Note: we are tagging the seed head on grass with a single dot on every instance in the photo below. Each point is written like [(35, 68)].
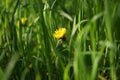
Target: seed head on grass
[(60, 33)]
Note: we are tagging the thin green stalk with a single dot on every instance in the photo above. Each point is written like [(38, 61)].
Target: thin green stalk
[(108, 22)]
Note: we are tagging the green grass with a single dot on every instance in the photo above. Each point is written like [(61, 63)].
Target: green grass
[(89, 51)]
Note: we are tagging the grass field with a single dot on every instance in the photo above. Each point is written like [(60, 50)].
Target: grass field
[(59, 39)]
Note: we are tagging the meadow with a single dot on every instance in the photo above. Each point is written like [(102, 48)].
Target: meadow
[(59, 39)]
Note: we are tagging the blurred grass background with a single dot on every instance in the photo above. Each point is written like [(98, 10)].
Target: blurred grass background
[(28, 50)]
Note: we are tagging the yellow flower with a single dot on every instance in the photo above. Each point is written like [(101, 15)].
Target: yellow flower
[(60, 33), (18, 24), (23, 20)]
